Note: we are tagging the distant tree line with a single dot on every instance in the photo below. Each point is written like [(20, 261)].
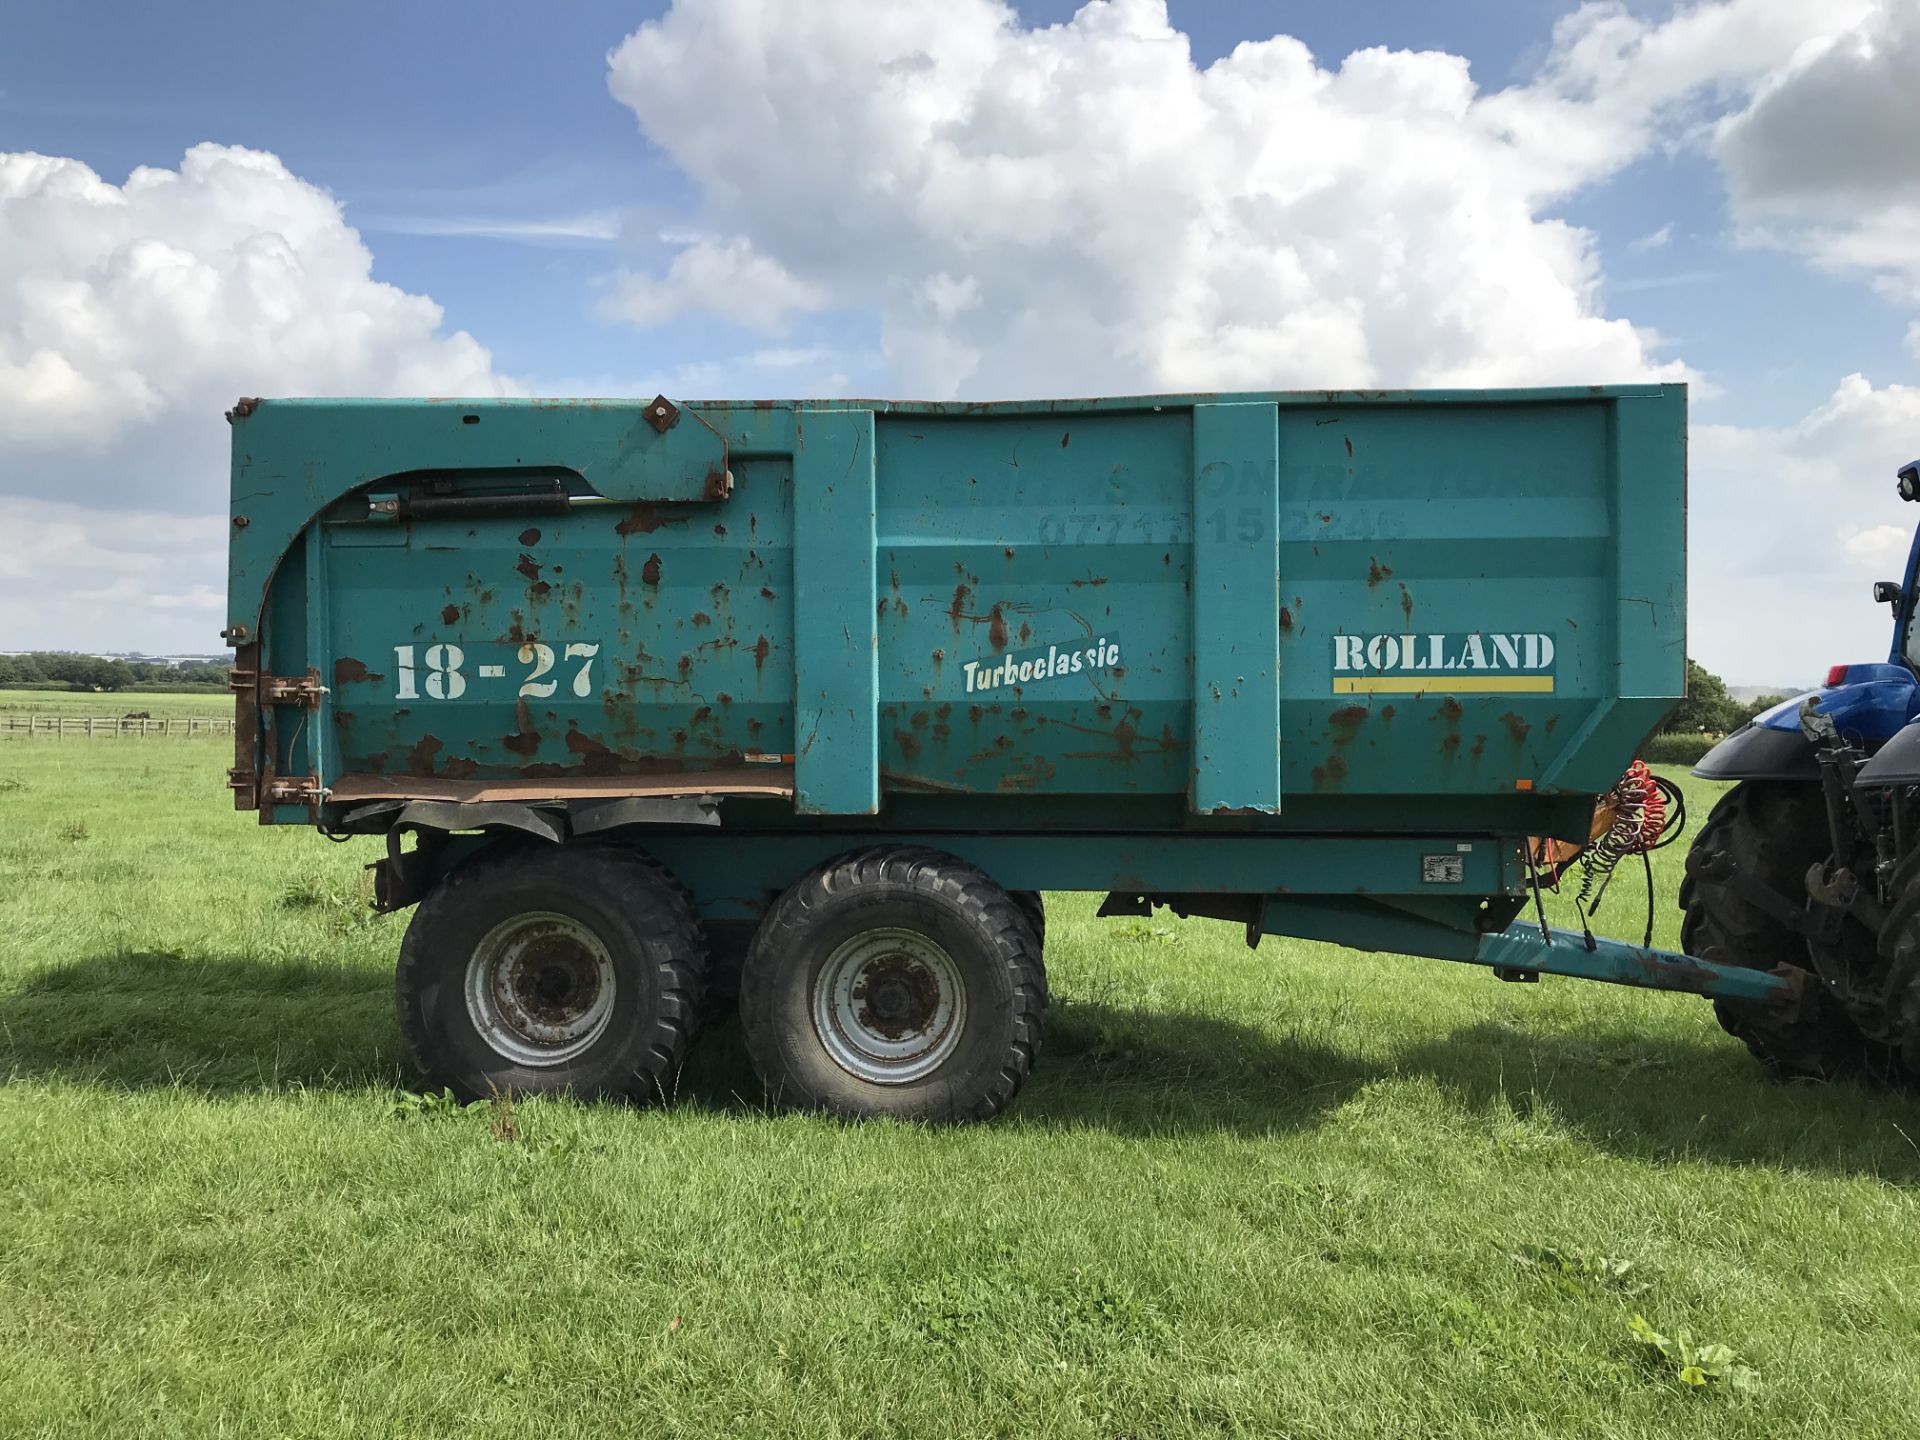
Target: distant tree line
[(1709, 708), (54, 669)]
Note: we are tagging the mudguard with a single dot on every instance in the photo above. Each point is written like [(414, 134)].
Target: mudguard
[(1898, 762), (1758, 752), (1868, 709)]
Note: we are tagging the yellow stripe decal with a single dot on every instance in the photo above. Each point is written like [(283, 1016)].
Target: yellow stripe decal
[(1448, 684)]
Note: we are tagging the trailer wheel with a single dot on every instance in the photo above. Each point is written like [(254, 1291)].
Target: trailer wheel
[(895, 981), (1774, 831), (571, 969)]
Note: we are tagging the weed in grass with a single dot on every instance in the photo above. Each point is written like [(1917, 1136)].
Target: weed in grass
[(74, 831), (502, 1126), (1698, 1365), (1149, 934), (428, 1105), (1571, 1271)]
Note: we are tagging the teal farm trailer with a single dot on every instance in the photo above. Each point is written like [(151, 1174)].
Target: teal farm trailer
[(812, 700)]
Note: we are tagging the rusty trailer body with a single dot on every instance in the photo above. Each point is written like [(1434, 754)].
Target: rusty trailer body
[(1313, 662)]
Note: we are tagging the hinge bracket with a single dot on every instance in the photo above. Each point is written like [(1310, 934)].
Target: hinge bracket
[(302, 690)]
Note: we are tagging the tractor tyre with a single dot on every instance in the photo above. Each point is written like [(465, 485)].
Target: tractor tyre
[(1774, 830)]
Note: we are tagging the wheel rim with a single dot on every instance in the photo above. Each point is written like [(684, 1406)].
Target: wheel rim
[(540, 988), (888, 1006)]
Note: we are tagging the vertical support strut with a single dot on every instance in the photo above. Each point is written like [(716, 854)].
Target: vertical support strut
[(836, 637), (1236, 609)]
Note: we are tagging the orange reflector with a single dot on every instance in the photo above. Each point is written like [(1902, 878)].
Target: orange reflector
[(1523, 784)]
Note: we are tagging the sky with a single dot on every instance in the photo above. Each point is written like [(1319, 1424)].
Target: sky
[(958, 198)]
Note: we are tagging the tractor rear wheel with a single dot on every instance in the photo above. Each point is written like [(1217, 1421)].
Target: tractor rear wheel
[(1774, 831)]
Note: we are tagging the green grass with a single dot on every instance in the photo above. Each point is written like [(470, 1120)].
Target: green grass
[(211, 703), (1266, 1193)]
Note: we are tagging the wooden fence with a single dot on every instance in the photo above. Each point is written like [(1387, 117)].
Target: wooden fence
[(66, 727)]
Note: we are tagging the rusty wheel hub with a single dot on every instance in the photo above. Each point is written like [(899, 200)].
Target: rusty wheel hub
[(888, 1006), (540, 988)]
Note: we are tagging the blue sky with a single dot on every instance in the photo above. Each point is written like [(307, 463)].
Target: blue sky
[(478, 153)]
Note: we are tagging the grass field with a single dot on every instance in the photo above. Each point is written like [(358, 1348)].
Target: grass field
[(1297, 1191), (177, 704)]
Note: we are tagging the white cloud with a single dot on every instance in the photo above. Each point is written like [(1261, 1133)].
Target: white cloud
[(176, 292), (587, 227), (1877, 547), (131, 317), (1825, 160), (130, 579), (1115, 218), (1080, 208), (1653, 239), (725, 278), (1788, 528)]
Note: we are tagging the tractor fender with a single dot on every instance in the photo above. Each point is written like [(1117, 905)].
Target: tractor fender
[(1760, 752), (1897, 763)]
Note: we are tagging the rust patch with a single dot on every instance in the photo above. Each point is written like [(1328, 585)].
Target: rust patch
[(347, 670), (721, 531), (458, 768), (1345, 721), (766, 592), (1450, 710), (645, 518), (450, 615), (1065, 435), (420, 757), (528, 566), (1406, 601), (1331, 773), (650, 572), (1386, 712), (700, 617), (997, 629), (760, 651), (1286, 618), (957, 611), (908, 742), (596, 759), (525, 740), (530, 536), (1516, 727), (1376, 572), (1479, 747), (1450, 746), (1026, 632)]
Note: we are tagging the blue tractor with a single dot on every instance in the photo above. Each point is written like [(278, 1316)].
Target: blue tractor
[(1810, 865)]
